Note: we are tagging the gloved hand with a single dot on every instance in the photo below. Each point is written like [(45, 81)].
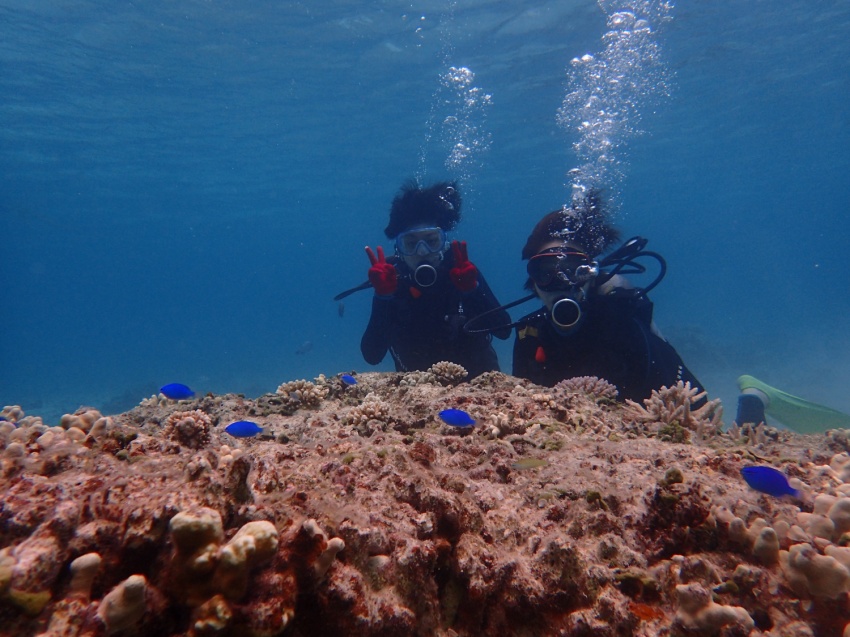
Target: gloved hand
[(382, 275), (464, 274)]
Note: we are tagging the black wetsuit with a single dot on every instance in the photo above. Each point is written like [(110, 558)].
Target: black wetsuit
[(614, 341), (423, 326)]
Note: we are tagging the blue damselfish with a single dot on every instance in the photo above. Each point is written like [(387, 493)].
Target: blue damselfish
[(243, 429), (176, 391), (456, 418), (348, 379), (768, 480)]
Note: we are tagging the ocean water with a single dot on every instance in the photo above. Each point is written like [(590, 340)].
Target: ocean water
[(184, 186)]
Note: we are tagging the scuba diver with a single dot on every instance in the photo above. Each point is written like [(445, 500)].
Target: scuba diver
[(594, 322), (427, 290)]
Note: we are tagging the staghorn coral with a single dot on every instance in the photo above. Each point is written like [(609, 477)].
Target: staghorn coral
[(597, 388), (189, 428), (448, 373), (670, 411)]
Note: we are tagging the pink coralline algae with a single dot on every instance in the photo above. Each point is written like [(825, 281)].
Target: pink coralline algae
[(359, 512)]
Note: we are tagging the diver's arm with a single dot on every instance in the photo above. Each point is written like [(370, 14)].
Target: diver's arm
[(376, 338)]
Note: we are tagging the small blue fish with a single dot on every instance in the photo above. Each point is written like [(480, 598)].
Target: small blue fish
[(456, 418), (243, 429), (348, 379), (768, 480), (176, 391)]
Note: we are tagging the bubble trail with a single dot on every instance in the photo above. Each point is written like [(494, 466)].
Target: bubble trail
[(458, 115), (608, 93), (463, 131)]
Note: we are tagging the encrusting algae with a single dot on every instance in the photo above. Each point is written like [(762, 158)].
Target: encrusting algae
[(359, 511)]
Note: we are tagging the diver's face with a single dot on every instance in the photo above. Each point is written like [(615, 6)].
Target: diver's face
[(421, 245), (562, 274), (559, 269)]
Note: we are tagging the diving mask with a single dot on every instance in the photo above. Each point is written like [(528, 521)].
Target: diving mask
[(559, 268), (421, 241)]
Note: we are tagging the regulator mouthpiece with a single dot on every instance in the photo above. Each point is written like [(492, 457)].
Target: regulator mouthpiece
[(425, 275), (565, 313)]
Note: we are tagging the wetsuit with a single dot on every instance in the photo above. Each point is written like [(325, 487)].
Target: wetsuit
[(422, 326), (614, 341)]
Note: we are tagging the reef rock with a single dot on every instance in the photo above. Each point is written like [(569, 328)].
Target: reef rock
[(358, 512)]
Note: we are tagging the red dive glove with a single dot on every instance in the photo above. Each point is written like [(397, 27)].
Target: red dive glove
[(382, 275), (464, 275)]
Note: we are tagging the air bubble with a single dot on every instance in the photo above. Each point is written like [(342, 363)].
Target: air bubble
[(622, 20), (611, 89)]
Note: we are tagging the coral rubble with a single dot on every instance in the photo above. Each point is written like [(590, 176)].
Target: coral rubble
[(357, 511)]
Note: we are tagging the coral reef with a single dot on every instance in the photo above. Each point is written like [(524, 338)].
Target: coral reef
[(358, 511)]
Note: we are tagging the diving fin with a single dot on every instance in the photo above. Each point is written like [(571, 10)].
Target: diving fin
[(795, 413)]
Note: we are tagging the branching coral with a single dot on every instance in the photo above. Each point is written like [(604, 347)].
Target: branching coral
[(448, 373), (298, 394), (189, 428), (670, 410), (749, 434), (412, 379), (597, 388), (372, 413)]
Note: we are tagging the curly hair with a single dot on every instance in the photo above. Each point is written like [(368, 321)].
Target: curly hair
[(438, 204), (584, 223)]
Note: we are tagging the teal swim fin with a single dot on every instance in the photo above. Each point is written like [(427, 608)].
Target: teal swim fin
[(795, 413)]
